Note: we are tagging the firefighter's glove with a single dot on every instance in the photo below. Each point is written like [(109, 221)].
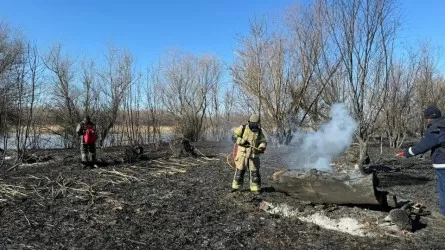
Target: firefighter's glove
[(400, 154), (262, 149), (242, 142)]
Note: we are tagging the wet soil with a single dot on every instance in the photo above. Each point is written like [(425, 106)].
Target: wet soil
[(163, 202)]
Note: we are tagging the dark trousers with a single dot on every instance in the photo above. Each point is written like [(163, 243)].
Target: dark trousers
[(86, 150), (441, 188)]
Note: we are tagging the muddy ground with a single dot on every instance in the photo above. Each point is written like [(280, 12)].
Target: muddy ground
[(161, 202)]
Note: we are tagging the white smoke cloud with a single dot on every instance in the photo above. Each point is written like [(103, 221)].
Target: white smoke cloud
[(318, 149)]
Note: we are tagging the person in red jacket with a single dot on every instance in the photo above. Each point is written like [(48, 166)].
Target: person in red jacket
[(88, 135)]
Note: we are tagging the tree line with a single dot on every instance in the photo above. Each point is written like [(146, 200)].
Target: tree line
[(289, 71)]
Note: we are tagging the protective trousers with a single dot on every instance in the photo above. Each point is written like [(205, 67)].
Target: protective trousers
[(441, 189), (86, 150), (244, 162)]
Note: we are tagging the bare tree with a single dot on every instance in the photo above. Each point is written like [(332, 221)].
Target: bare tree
[(64, 104), (229, 105), (35, 73), (364, 33), (153, 97), (132, 113), (115, 82), (247, 70), (426, 88), (439, 90), (397, 113), (286, 72), (91, 91), (188, 82), (217, 126), (262, 74), (11, 58), (315, 63), (26, 86)]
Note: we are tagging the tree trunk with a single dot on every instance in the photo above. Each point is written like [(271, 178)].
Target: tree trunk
[(182, 147), (381, 144), (363, 154), (325, 188), (401, 141)]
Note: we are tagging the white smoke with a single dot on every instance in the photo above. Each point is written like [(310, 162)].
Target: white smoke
[(318, 149)]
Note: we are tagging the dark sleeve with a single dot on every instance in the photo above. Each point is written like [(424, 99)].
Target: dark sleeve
[(429, 141)]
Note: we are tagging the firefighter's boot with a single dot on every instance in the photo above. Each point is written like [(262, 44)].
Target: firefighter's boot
[(255, 181), (238, 179)]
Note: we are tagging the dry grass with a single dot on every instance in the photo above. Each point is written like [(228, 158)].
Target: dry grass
[(119, 176), (57, 128), (10, 191)]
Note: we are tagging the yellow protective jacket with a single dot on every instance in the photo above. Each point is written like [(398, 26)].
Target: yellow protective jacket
[(255, 140)]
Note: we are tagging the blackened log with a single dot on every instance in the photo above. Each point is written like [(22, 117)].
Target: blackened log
[(328, 188)]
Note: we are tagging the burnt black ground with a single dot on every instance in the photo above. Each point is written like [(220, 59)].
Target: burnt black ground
[(185, 203)]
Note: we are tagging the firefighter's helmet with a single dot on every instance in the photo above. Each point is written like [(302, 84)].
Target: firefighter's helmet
[(254, 118)]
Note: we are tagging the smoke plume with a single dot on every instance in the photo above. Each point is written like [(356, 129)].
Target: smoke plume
[(318, 149)]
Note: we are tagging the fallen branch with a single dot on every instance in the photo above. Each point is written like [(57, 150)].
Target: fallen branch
[(171, 171), (29, 223), (118, 174), (201, 161), (205, 156), (89, 190), (171, 163), (14, 166), (37, 192), (124, 175), (159, 162), (33, 177), (165, 163)]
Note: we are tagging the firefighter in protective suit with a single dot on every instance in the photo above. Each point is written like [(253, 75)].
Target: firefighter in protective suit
[(250, 144), (87, 147)]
